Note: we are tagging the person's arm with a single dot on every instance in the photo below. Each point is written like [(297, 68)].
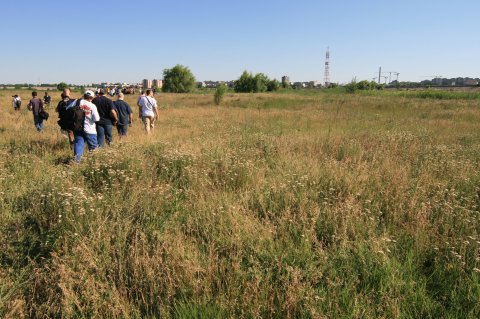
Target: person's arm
[(156, 112), (139, 107), (95, 115), (113, 113), (130, 114)]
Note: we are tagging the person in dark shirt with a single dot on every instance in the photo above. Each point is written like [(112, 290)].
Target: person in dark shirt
[(125, 117), (65, 120), (108, 118), (36, 106), (46, 99)]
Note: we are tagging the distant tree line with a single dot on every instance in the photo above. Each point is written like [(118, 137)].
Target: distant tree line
[(363, 86)]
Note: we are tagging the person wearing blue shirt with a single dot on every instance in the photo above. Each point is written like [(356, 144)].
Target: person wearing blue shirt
[(125, 115)]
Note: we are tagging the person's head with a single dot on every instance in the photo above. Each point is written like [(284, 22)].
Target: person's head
[(66, 93), (88, 95), (142, 92), (120, 96), (149, 92), (34, 94), (15, 96), (101, 92), (46, 93)]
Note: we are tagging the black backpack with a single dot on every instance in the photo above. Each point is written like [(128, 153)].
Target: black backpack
[(71, 116), (78, 117)]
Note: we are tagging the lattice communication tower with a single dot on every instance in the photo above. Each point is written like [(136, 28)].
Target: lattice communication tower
[(326, 78)]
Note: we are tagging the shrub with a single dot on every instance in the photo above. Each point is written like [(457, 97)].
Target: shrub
[(351, 87), (273, 85), (219, 93)]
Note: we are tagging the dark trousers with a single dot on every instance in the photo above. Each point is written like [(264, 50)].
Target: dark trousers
[(104, 132)]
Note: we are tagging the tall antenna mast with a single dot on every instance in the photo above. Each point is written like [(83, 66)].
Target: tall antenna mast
[(326, 78)]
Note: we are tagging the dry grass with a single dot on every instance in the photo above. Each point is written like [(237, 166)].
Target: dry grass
[(271, 206)]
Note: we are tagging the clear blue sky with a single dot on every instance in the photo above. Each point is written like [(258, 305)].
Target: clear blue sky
[(96, 41)]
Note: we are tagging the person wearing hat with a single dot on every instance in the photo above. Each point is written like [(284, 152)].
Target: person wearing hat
[(89, 132), (16, 102), (125, 115)]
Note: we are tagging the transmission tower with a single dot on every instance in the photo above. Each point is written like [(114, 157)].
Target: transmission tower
[(326, 78)]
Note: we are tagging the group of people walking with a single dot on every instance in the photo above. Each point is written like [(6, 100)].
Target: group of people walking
[(91, 118), (35, 105)]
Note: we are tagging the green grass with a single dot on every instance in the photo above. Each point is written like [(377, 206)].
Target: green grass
[(425, 94), (289, 205)]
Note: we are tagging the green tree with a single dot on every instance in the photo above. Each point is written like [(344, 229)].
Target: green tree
[(273, 85), (219, 94), (245, 84), (178, 79), (261, 82), (61, 86)]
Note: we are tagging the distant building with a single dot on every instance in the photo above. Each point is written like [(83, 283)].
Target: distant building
[(299, 85), (285, 80), (314, 84), (157, 84), (470, 82), (147, 84)]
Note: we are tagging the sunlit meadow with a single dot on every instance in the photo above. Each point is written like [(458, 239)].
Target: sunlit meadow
[(285, 205)]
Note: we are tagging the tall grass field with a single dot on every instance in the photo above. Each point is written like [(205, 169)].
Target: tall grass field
[(282, 205)]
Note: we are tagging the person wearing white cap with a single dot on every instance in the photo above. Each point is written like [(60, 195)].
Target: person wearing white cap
[(89, 132)]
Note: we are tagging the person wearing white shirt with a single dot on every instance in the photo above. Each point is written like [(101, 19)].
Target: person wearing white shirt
[(89, 132), (16, 101), (148, 109)]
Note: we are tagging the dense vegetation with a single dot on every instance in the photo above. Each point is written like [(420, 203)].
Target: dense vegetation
[(178, 79), (249, 83), (291, 205)]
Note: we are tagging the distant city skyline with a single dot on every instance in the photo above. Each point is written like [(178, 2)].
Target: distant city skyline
[(115, 41)]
